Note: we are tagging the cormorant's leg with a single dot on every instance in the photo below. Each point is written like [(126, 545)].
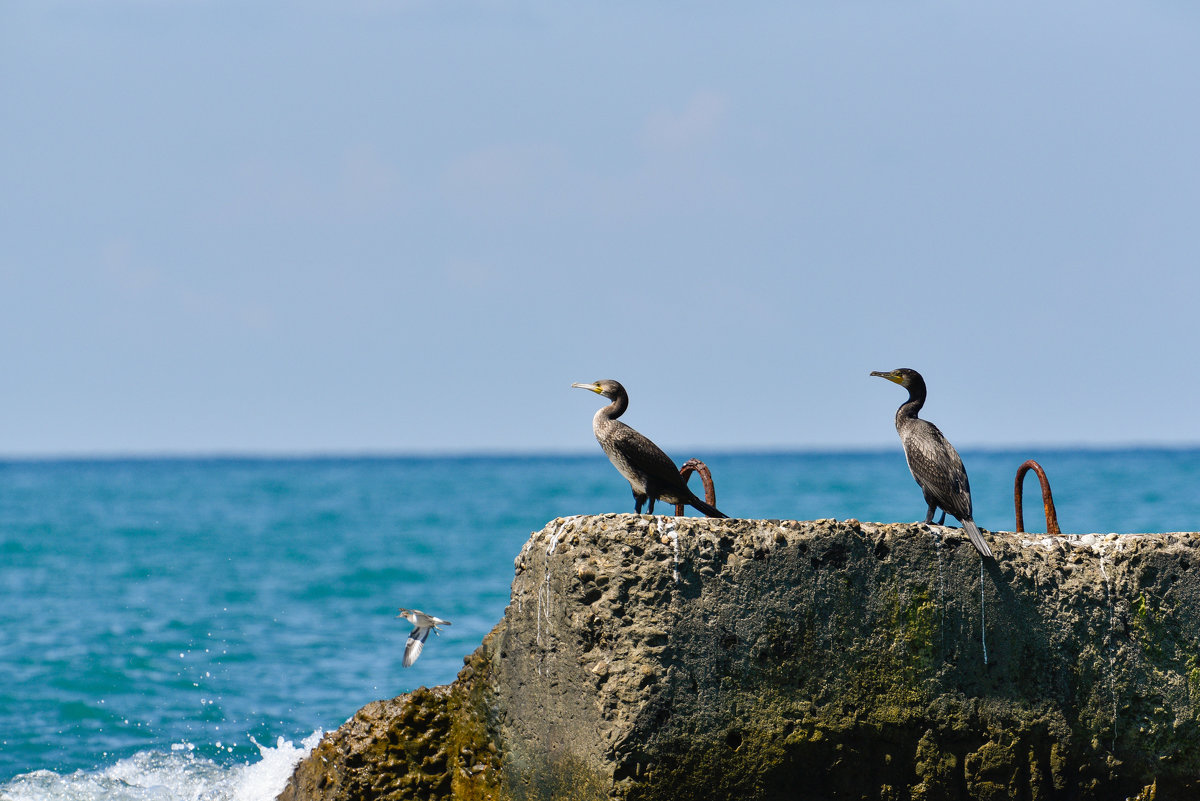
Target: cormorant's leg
[(638, 500), (942, 520), (929, 514), (651, 493)]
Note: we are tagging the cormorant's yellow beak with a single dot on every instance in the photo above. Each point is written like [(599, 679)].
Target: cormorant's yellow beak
[(892, 376), (593, 387)]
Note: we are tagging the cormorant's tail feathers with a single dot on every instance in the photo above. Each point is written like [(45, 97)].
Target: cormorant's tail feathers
[(976, 538), (707, 509)]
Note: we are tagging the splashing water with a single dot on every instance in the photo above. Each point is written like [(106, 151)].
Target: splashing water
[(175, 776)]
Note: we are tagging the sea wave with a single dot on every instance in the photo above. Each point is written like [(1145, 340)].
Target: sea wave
[(177, 775)]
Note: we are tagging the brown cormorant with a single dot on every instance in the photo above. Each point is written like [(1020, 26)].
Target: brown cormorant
[(932, 460), (416, 639), (651, 473)]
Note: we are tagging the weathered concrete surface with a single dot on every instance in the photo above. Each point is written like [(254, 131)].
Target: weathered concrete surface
[(684, 658)]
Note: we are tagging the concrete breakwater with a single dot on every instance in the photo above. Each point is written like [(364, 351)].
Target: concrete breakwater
[(652, 657)]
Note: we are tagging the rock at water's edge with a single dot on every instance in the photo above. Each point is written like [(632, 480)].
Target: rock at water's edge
[(646, 657)]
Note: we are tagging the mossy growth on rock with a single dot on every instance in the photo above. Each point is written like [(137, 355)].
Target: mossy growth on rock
[(649, 657)]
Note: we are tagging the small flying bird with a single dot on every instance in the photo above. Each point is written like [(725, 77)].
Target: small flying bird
[(932, 460), (650, 472), (416, 639)]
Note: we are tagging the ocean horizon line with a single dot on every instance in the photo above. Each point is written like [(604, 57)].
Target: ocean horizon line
[(503, 454)]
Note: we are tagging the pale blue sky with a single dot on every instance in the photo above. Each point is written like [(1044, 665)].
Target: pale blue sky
[(372, 226)]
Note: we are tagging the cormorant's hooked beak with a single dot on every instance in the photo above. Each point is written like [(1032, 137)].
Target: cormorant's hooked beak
[(892, 376), (593, 387)]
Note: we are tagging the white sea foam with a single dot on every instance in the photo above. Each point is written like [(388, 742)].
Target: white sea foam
[(175, 776)]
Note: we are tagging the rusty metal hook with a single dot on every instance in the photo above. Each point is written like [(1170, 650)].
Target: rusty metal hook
[(697, 466), (1047, 498)]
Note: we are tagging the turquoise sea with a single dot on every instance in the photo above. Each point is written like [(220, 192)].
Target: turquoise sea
[(183, 628)]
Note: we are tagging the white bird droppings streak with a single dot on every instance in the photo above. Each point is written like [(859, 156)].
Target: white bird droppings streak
[(673, 535), (543, 596), (982, 612)]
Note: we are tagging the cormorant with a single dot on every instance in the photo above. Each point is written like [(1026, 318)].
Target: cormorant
[(416, 639), (651, 473), (932, 460)]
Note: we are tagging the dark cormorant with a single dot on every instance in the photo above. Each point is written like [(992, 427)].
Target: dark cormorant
[(932, 460), (423, 624), (651, 473)]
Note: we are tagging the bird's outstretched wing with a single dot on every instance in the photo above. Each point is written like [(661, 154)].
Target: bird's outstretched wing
[(416, 641)]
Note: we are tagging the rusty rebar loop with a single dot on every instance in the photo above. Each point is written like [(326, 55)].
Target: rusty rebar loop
[(1047, 497), (697, 466)]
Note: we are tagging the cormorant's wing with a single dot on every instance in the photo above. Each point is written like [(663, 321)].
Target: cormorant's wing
[(937, 467), (647, 458)]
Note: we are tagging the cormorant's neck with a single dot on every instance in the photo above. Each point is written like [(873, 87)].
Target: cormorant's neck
[(617, 408), (916, 399)]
